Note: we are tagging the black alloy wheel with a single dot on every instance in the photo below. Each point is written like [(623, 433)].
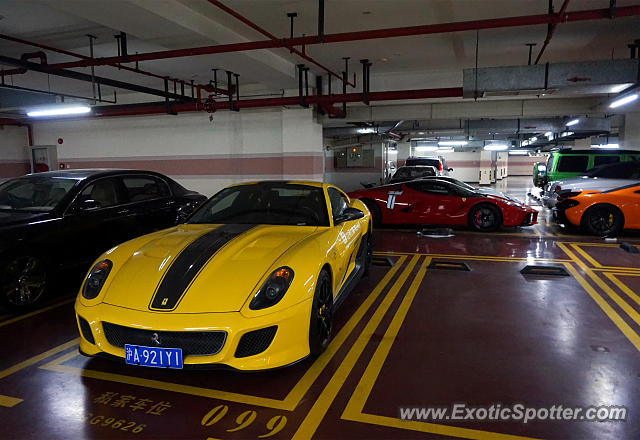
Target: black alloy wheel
[(321, 325), (603, 220), (485, 218), (23, 282)]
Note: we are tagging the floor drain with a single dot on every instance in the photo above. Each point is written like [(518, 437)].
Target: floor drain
[(629, 248), (600, 348), (435, 232), (544, 270), (449, 265)]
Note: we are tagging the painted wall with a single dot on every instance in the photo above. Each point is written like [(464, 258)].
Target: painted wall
[(14, 159), (523, 165), (203, 156)]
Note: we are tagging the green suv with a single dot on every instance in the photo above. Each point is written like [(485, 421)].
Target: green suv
[(565, 164)]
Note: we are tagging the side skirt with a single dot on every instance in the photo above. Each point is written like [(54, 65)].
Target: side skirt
[(355, 275)]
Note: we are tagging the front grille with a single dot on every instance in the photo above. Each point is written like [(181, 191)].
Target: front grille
[(86, 329), (191, 343), (255, 342)]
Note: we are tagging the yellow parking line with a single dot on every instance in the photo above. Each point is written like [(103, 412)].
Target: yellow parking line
[(38, 358), (606, 308), (317, 412), (630, 293), (37, 312), (585, 255), (8, 401)]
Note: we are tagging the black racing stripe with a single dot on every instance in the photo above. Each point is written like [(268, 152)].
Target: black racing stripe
[(185, 268)]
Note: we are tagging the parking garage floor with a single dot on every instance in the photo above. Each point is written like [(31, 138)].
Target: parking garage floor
[(439, 321)]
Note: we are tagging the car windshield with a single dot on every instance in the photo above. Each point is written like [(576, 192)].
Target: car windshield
[(34, 193), (273, 203)]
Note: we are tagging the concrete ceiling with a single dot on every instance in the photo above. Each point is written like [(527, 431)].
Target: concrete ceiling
[(434, 61)]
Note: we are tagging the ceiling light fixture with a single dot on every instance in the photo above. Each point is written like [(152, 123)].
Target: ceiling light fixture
[(452, 143), (518, 153), (607, 146), (59, 111), (624, 100), (496, 147), (445, 150), (572, 122), (366, 130)]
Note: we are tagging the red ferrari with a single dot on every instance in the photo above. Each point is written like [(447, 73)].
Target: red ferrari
[(444, 201)]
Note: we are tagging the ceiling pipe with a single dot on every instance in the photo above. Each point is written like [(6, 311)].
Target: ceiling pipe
[(552, 26), (268, 34), (88, 78), (529, 20), (292, 101), (77, 55)]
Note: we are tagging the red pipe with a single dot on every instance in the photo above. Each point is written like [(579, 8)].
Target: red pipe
[(77, 55), (268, 34), (9, 121), (552, 29), (158, 108), (529, 20)]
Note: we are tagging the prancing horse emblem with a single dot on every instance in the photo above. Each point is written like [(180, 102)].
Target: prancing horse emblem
[(155, 338)]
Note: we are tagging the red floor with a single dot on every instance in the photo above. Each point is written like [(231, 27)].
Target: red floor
[(409, 336)]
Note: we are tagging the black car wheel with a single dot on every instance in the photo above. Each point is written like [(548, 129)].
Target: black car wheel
[(321, 325), (373, 208), (485, 217), (603, 220), (23, 281)]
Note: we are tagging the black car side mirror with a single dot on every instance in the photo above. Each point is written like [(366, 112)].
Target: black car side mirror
[(348, 215), (89, 205)]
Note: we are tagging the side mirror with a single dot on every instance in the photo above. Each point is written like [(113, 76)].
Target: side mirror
[(88, 205), (348, 215), (450, 169)]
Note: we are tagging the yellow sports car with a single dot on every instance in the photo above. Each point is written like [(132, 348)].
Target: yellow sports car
[(250, 281)]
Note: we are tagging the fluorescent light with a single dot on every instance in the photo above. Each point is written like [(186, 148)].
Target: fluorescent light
[(496, 147), (566, 133), (59, 111), (572, 122), (549, 135), (421, 132), (445, 150), (624, 100), (607, 146), (518, 153), (426, 148), (366, 130), (619, 88), (534, 139), (452, 143)]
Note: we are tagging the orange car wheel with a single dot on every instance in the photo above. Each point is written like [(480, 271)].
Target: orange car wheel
[(603, 220)]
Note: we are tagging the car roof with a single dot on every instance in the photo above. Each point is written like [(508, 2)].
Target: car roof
[(291, 182), (596, 152), (89, 172)]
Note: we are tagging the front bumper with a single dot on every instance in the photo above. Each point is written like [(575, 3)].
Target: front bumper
[(290, 343), (530, 218)]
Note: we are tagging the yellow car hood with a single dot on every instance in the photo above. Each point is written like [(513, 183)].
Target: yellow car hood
[(163, 274)]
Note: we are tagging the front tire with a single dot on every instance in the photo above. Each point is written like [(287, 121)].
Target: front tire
[(321, 325), (23, 282), (603, 220), (485, 217)]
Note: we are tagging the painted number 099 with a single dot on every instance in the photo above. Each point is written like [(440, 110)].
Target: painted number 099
[(274, 425)]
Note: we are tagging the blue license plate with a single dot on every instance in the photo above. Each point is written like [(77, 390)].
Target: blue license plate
[(153, 356)]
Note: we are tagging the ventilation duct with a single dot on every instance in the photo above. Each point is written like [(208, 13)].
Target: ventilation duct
[(589, 77)]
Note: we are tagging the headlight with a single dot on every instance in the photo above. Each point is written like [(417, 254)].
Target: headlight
[(96, 279), (273, 289)]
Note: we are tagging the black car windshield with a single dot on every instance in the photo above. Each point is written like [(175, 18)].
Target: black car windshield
[(273, 203), (413, 172), (34, 193)]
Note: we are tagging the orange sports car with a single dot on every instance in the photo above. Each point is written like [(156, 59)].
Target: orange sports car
[(601, 213)]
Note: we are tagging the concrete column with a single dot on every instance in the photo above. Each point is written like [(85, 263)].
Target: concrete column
[(630, 134), (403, 152), (486, 168)]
